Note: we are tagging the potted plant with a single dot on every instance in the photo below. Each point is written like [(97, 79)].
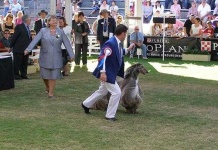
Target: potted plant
[(196, 55)]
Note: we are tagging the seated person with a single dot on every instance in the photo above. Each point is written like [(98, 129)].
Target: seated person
[(216, 30), (157, 29), (209, 31), (180, 32), (119, 20), (6, 40), (138, 38), (170, 30), (95, 7), (196, 28)]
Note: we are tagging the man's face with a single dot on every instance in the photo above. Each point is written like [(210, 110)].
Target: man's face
[(136, 29), (28, 21), (123, 36), (15, 1), (43, 15), (6, 34)]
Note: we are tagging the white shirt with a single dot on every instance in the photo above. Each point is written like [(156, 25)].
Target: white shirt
[(15, 7), (67, 31), (204, 10), (195, 30), (161, 9), (104, 7)]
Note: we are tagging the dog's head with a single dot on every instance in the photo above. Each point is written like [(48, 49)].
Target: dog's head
[(141, 69), (135, 69)]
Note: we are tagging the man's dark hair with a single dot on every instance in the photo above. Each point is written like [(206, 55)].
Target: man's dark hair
[(120, 29), (81, 14)]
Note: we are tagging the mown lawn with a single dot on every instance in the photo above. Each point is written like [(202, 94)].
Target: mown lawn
[(178, 113)]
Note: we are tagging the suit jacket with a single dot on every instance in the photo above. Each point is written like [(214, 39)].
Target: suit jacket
[(50, 56), (111, 27), (38, 25), (20, 39), (114, 66), (79, 39)]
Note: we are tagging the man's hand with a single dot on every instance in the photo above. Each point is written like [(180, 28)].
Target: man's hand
[(131, 47), (103, 77), (98, 41), (26, 52), (84, 34)]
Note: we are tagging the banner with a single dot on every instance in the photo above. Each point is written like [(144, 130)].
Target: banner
[(175, 46)]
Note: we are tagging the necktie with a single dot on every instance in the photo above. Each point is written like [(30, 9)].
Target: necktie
[(43, 23), (105, 25), (121, 51), (28, 30), (136, 38)]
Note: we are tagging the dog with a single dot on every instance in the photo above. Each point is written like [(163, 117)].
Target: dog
[(131, 96), (131, 93)]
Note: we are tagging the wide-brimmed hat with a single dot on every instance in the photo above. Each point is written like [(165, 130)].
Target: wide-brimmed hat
[(42, 11), (104, 11)]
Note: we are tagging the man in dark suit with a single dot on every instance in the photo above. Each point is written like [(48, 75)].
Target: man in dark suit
[(19, 42), (106, 27), (41, 23), (110, 65)]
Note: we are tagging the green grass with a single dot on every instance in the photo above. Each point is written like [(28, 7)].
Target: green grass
[(178, 113)]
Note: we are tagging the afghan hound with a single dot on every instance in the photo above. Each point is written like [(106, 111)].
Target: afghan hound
[(131, 93)]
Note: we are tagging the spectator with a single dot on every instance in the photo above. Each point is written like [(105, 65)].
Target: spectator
[(175, 9), (188, 25), (167, 2), (114, 9), (75, 19), (78, 2), (95, 25), (6, 40), (15, 7), (50, 57), (63, 3), (215, 10), (158, 7), (193, 10), (119, 20), (6, 7), (19, 42), (147, 12), (196, 28), (170, 30), (106, 27), (185, 4), (67, 30), (41, 23), (203, 11), (137, 38), (157, 29), (209, 31), (9, 23), (180, 32), (104, 5), (216, 30), (75, 8), (81, 32), (95, 7), (18, 19)]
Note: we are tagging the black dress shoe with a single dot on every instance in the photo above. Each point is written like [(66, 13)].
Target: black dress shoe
[(111, 119), (24, 77), (86, 109)]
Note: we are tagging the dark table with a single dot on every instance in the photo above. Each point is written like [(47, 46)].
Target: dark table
[(6, 73)]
